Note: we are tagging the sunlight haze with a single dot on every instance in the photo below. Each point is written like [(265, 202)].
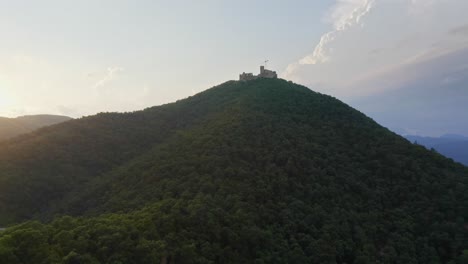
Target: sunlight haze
[(79, 58)]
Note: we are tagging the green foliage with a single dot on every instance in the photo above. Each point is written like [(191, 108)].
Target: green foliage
[(263, 171)]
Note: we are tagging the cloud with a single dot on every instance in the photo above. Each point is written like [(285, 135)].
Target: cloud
[(459, 31), (427, 95), (372, 37), (346, 14), (111, 74), (418, 7)]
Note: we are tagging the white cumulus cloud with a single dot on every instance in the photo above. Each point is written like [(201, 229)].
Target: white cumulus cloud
[(346, 14), (370, 37), (110, 75)]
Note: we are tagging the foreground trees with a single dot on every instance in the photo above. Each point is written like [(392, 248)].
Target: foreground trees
[(248, 172)]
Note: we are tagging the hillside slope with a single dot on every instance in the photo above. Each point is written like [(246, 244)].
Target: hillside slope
[(11, 127), (263, 171), (46, 165)]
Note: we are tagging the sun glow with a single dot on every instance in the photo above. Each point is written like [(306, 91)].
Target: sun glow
[(4, 108), (6, 101)]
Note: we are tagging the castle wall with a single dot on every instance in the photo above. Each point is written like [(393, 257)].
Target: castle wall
[(264, 73), (247, 76), (268, 74)]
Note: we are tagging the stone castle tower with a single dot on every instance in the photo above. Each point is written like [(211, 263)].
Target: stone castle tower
[(264, 73)]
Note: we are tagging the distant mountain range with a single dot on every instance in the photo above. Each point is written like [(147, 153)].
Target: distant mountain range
[(11, 127), (452, 146)]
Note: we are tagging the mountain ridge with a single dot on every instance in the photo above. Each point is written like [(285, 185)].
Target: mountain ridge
[(263, 171), (11, 127)]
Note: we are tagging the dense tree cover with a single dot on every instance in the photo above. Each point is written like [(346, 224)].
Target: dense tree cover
[(263, 171), (11, 127), (39, 169)]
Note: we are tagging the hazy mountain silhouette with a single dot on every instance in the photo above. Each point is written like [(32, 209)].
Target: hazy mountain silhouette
[(11, 127), (451, 146)]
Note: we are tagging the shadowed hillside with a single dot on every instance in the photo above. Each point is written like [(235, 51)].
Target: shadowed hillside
[(263, 171)]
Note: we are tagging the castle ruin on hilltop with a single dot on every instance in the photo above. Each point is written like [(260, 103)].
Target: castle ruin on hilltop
[(264, 73)]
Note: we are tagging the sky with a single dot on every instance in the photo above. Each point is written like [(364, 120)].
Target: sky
[(402, 62)]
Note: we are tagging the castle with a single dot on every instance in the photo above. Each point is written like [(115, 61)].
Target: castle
[(264, 73)]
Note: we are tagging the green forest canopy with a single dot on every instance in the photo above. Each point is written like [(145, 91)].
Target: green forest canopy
[(264, 171)]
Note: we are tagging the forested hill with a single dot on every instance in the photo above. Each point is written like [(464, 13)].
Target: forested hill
[(11, 127), (263, 171)]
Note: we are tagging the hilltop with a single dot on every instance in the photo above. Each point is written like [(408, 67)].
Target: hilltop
[(11, 127), (259, 171)]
